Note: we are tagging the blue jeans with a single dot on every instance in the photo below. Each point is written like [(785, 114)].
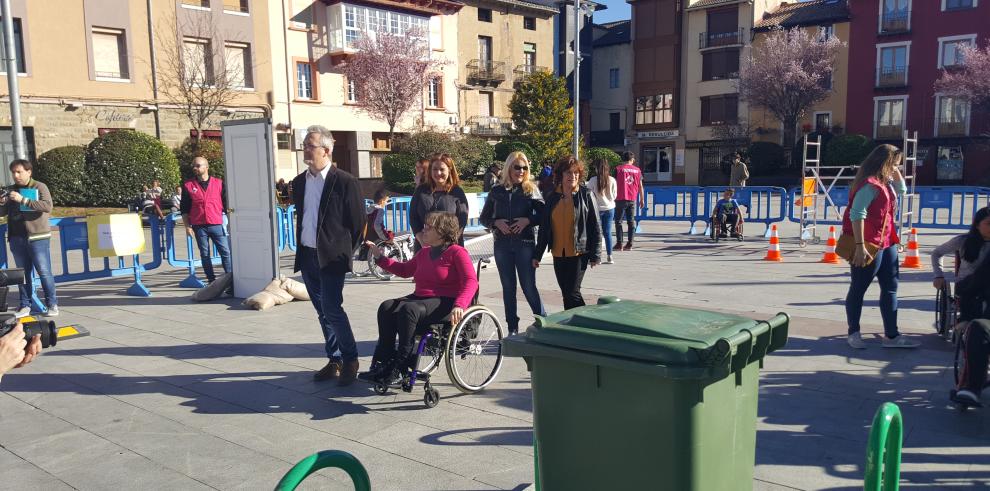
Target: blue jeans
[(887, 271), (326, 291), (513, 256), (34, 256), (216, 233), (607, 217)]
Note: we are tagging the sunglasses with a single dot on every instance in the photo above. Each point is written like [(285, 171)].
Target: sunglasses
[(520, 167)]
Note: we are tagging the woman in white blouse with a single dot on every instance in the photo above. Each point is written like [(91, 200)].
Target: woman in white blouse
[(603, 189)]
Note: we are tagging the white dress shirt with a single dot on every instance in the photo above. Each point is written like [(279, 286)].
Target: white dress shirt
[(311, 206)]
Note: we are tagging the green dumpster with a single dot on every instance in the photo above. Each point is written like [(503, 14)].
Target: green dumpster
[(634, 395)]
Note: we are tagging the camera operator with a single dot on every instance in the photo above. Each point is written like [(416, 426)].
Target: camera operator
[(15, 351), (29, 206)]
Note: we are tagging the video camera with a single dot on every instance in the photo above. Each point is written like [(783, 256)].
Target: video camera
[(47, 329)]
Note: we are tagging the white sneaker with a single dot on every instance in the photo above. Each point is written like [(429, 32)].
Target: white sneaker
[(52, 311), (608, 260), (900, 342), (855, 341), (22, 312)]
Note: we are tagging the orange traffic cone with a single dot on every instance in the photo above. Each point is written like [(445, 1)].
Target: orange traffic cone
[(830, 256), (773, 251), (911, 257)]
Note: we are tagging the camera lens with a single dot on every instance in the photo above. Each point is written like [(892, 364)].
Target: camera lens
[(47, 330)]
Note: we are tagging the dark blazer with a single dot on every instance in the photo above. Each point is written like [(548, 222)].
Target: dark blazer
[(340, 224), (587, 226)]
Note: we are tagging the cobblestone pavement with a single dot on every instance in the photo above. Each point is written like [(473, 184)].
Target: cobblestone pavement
[(167, 394)]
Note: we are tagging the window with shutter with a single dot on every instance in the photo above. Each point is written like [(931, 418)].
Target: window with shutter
[(109, 54)]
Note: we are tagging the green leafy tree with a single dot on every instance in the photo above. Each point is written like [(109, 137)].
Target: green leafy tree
[(118, 164), (474, 155), (209, 149), (594, 153), (504, 148), (847, 150), (542, 116), (63, 169)]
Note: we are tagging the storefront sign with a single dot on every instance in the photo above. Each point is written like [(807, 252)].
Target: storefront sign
[(113, 116), (658, 134)]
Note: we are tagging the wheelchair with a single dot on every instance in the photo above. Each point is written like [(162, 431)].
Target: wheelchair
[(959, 362), (947, 308), (719, 230), (471, 350), (399, 248)]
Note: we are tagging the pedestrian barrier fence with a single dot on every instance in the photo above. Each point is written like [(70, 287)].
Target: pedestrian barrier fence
[(674, 204), (396, 218), (943, 207), (762, 204), (883, 453)]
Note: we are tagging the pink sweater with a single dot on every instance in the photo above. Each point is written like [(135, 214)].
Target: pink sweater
[(452, 275)]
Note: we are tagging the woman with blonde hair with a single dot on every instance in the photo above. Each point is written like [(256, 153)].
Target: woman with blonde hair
[(869, 218), (439, 191), (570, 228), (514, 206)]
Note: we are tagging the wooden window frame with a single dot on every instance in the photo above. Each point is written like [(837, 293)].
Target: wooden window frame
[(315, 81)]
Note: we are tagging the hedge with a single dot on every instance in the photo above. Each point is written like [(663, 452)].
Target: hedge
[(118, 164), (594, 153), (847, 150), (398, 168), (504, 148), (765, 158), (63, 169), (210, 149)]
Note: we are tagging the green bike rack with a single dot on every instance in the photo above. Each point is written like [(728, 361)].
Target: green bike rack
[(327, 458), (883, 453)]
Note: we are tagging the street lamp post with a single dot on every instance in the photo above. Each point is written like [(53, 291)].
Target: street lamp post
[(577, 78), (10, 59)]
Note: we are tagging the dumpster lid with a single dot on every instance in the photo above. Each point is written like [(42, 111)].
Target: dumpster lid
[(660, 334)]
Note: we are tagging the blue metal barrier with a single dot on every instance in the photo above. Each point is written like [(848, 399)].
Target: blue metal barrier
[(941, 207), (764, 204), (674, 204), (190, 262)]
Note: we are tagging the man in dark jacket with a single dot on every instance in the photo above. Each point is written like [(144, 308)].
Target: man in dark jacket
[(29, 206), (330, 224)]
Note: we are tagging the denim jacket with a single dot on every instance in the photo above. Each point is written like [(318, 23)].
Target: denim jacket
[(508, 204)]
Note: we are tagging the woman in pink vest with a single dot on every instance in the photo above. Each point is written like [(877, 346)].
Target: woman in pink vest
[(870, 218)]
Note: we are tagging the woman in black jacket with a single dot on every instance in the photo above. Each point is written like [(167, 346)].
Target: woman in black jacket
[(571, 229), (439, 192), (513, 208)]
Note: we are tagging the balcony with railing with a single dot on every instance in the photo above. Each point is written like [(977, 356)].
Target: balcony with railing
[(489, 126), (892, 77), (708, 40), (895, 22), (890, 130), (952, 127), (485, 72), (520, 72)]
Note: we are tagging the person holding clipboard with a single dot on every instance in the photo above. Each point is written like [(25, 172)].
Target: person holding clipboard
[(29, 206)]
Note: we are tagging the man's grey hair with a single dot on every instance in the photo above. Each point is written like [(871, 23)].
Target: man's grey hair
[(326, 138)]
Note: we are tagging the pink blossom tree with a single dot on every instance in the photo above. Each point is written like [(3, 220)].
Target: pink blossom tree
[(788, 74), (389, 73), (971, 80)]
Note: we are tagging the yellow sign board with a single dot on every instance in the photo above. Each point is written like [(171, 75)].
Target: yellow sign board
[(115, 235), (808, 191)]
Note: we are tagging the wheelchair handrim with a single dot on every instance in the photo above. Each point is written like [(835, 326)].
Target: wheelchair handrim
[(457, 368)]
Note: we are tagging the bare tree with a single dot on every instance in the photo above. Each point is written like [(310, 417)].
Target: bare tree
[(389, 73), (740, 133), (787, 75), (197, 71)]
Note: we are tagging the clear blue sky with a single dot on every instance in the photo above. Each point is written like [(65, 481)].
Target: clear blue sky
[(617, 10)]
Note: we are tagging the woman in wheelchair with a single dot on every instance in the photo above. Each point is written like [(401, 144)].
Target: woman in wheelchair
[(445, 285), (727, 216), (972, 284)]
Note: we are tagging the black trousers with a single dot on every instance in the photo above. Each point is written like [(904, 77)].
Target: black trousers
[(627, 209), (976, 349), (398, 319), (570, 273)]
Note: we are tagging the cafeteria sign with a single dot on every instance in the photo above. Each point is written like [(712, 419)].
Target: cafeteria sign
[(658, 134)]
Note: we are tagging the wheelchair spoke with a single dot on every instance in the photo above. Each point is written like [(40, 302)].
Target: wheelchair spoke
[(474, 351)]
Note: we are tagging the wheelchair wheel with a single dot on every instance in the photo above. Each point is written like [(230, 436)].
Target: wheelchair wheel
[(380, 388), (942, 301), (431, 397), (388, 250), (474, 350), (714, 227), (432, 353)]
